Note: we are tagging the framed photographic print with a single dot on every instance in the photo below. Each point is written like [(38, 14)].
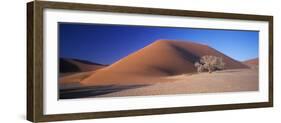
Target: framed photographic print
[(96, 61)]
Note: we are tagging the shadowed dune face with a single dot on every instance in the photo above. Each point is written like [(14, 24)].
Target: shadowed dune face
[(74, 77), (67, 66), (75, 65), (75, 70), (161, 58)]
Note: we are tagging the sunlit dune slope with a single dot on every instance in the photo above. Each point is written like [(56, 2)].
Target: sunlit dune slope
[(161, 58)]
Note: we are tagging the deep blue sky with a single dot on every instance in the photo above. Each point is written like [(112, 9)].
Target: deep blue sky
[(106, 44)]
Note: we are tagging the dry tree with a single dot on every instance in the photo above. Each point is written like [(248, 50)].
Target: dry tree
[(209, 63), (200, 67)]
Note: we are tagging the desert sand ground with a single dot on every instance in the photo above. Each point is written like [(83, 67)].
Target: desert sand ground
[(232, 80)]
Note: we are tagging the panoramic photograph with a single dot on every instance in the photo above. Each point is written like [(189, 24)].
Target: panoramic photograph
[(107, 60)]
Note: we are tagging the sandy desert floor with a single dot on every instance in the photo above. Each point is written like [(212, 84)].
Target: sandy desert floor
[(232, 80)]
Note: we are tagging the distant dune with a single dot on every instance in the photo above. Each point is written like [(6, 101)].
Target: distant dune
[(157, 60), (254, 61), (74, 77), (76, 65)]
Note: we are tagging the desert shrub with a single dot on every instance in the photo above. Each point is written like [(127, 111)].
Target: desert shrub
[(197, 64), (200, 67), (209, 63), (219, 63)]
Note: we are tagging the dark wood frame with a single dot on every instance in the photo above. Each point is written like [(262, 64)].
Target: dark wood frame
[(35, 60)]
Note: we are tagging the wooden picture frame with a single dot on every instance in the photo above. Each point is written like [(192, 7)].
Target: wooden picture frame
[(35, 61)]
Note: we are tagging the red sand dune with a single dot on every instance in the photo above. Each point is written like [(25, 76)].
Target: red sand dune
[(252, 62), (161, 58), (75, 65)]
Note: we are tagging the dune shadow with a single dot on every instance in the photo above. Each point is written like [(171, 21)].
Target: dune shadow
[(187, 55), (183, 53), (229, 71), (92, 91)]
